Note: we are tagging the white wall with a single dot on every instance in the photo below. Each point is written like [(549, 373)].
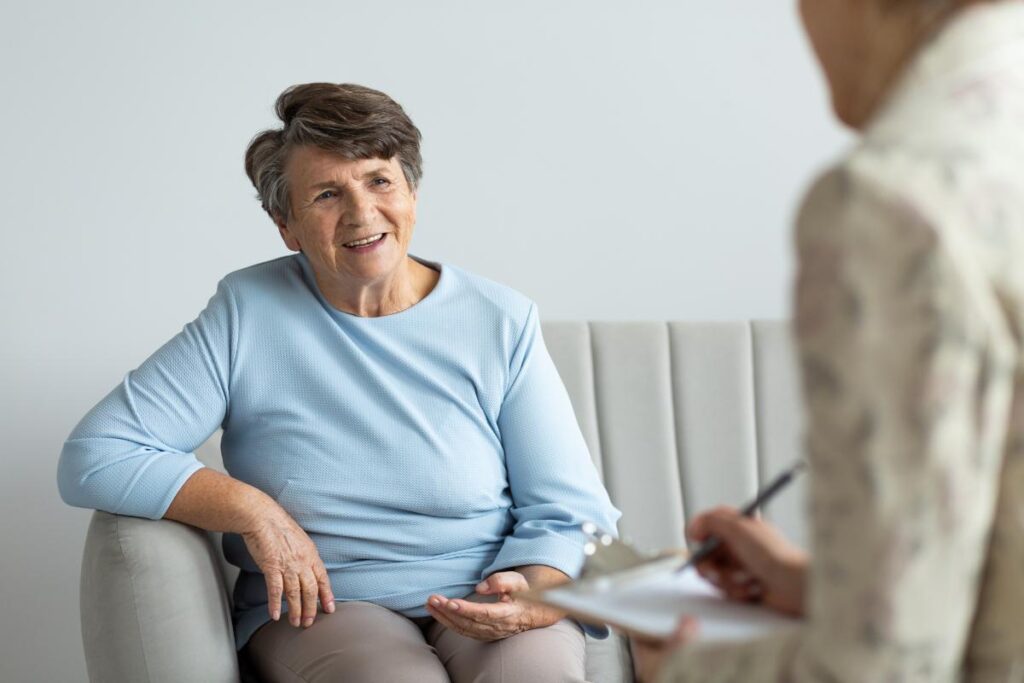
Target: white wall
[(613, 160)]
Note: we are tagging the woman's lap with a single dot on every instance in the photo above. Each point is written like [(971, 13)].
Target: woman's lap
[(359, 642), (365, 642), (555, 654)]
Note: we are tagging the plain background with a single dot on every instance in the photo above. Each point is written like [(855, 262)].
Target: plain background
[(612, 160)]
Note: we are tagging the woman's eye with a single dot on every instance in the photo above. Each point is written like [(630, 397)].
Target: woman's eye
[(326, 194), (381, 182)]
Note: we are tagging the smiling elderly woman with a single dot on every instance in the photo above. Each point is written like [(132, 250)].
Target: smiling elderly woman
[(399, 444)]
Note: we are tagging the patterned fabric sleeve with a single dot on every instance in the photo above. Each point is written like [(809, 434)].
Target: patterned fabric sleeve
[(907, 378)]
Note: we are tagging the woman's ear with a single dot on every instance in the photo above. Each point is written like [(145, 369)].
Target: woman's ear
[(287, 235)]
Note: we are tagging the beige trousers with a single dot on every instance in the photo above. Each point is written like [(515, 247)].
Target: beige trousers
[(362, 643)]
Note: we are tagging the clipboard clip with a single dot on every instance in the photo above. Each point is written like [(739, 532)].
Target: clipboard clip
[(610, 560)]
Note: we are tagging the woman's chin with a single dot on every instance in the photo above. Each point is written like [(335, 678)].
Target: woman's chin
[(374, 263)]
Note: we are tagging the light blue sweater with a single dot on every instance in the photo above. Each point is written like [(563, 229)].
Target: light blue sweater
[(421, 451)]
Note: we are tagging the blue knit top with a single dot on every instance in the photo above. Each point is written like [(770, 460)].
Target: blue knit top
[(421, 451)]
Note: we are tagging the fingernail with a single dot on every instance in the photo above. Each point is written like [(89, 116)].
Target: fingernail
[(453, 605), (330, 607), (482, 586), (307, 622), (275, 615), (435, 602)]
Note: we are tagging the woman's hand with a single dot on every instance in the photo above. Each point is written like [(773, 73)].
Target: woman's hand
[(650, 655), (290, 563), (754, 563), (493, 620)]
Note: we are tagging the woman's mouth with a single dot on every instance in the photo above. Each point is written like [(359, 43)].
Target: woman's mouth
[(366, 243)]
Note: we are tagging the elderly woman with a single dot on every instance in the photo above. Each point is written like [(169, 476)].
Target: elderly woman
[(400, 447), (910, 321)]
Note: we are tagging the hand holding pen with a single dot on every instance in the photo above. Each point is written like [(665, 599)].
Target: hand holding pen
[(746, 557)]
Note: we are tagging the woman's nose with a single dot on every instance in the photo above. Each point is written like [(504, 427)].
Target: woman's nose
[(358, 209)]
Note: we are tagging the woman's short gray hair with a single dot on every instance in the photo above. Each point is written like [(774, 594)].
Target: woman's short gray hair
[(352, 120)]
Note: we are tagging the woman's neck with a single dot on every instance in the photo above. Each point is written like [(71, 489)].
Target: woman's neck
[(411, 282), (893, 37)]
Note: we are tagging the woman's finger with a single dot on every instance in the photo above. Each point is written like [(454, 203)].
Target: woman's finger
[(275, 584), (458, 623), (699, 528), (482, 613), (503, 582), (293, 594), (323, 582), (308, 586), (686, 630)]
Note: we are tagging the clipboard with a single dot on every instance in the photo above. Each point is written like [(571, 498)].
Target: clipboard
[(645, 596)]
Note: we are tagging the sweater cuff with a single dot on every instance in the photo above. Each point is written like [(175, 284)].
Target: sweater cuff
[(167, 474), (550, 549)]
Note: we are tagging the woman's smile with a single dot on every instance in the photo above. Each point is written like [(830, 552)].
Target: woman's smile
[(366, 244)]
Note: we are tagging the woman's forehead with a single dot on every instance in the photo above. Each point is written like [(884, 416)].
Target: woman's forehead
[(310, 165)]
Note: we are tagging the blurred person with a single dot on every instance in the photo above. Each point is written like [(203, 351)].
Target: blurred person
[(909, 321)]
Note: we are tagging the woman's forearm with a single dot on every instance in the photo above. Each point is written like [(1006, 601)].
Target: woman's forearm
[(543, 576), (217, 502)]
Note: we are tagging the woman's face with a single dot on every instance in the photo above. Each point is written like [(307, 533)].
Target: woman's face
[(837, 30), (337, 204)]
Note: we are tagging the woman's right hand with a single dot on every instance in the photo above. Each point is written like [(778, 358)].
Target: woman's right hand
[(754, 563), (290, 564)]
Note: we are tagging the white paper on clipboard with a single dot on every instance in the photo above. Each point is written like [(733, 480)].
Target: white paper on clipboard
[(652, 606)]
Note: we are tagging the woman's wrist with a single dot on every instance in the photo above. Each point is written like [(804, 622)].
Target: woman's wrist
[(542, 576), (257, 511), (791, 581)]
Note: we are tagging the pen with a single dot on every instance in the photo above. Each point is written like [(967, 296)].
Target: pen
[(780, 482)]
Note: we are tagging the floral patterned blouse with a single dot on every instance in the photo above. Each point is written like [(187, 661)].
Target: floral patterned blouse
[(909, 317)]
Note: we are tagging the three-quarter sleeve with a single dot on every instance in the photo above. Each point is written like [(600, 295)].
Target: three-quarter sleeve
[(907, 374), (134, 450), (552, 480)]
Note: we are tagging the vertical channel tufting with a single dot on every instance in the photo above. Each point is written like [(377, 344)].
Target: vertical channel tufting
[(763, 474), (634, 409), (712, 380), (570, 349), (779, 416)]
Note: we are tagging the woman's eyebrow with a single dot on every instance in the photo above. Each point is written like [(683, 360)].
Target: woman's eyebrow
[(322, 184), (378, 170)]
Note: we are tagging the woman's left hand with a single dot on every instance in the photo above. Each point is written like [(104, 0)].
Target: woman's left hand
[(490, 621), (650, 655)]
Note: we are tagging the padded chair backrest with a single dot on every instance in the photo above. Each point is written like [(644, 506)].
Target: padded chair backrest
[(682, 416)]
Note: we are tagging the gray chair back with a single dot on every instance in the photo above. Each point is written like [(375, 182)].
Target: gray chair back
[(682, 416)]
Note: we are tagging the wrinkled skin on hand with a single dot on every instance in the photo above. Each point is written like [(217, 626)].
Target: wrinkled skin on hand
[(492, 621), (291, 565)]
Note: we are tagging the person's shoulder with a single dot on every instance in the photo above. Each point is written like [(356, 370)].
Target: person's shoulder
[(260, 273), (263, 277), (488, 297), (873, 187)]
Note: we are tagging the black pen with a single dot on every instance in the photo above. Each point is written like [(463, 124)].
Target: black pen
[(711, 544)]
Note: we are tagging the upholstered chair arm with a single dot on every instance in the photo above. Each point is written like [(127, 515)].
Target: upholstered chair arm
[(154, 604)]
